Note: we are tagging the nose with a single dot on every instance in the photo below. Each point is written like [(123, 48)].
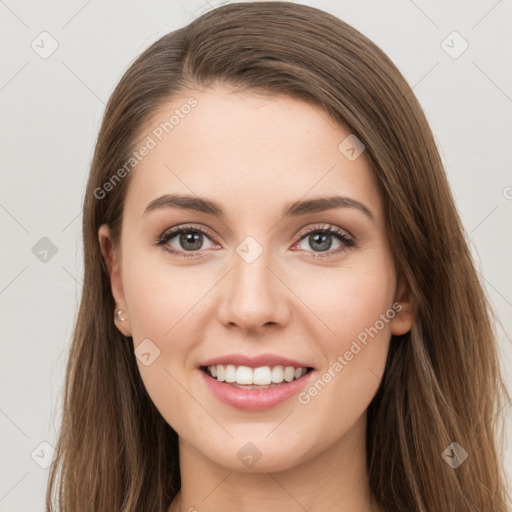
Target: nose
[(253, 296)]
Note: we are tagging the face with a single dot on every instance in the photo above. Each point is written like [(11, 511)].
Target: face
[(257, 284)]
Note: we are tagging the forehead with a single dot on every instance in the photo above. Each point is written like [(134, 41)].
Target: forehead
[(246, 151)]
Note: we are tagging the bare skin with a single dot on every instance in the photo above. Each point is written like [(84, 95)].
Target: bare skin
[(253, 155)]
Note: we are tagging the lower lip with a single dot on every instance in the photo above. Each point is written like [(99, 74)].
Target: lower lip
[(254, 399)]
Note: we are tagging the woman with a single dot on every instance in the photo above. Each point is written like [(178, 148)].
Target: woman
[(279, 309)]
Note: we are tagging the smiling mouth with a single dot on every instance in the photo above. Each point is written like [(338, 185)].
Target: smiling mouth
[(263, 377)]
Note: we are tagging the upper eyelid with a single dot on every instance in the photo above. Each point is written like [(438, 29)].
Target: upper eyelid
[(319, 227), (303, 232), (171, 232)]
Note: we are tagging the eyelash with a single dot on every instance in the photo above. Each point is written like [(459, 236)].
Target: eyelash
[(346, 240)]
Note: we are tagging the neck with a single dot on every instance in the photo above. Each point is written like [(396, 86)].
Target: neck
[(335, 479)]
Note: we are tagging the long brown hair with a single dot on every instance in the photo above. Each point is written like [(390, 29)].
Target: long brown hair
[(442, 382)]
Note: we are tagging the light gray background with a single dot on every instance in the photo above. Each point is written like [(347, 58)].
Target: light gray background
[(51, 112)]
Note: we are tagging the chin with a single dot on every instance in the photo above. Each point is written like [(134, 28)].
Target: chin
[(258, 455)]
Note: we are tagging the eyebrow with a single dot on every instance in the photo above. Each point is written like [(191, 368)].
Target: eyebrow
[(293, 209)]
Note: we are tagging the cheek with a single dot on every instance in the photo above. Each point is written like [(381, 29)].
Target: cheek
[(347, 300), (161, 302), (160, 295), (355, 308)]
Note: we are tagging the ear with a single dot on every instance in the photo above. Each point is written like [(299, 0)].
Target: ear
[(404, 318), (113, 263)]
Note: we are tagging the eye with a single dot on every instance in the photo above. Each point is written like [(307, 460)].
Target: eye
[(320, 239), (183, 240), (187, 241)]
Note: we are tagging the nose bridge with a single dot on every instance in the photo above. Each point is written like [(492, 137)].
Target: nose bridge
[(254, 296)]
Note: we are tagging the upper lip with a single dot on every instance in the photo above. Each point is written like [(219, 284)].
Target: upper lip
[(255, 361)]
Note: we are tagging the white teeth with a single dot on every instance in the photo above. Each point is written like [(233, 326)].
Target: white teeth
[(277, 374), (261, 376), (244, 375), (230, 375), (289, 373)]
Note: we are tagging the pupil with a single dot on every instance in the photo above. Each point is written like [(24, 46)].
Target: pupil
[(321, 238), (193, 238)]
